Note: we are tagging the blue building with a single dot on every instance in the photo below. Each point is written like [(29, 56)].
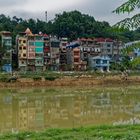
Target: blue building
[(101, 63), (7, 68), (6, 46), (136, 52)]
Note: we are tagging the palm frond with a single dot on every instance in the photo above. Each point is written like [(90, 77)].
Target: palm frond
[(128, 7), (129, 23)]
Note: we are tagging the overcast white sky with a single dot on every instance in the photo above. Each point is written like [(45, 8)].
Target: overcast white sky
[(100, 9)]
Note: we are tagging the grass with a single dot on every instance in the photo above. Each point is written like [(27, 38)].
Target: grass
[(83, 133)]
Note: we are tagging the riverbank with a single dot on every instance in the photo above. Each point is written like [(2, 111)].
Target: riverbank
[(129, 132), (82, 80)]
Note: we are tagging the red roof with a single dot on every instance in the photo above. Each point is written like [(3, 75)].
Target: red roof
[(100, 40), (83, 39), (97, 39), (89, 39), (109, 40), (45, 35)]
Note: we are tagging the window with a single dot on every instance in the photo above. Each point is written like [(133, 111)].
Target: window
[(24, 55), (76, 60), (64, 44), (98, 61), (104, 61), (108, 45), (20, 48), (24, 48), (108, 50), (76, 53), (31, 49), (24, 41), (39, 44), (31, 43), (19, 41)]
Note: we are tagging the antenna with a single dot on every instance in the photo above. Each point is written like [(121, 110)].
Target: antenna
[(46, 16)]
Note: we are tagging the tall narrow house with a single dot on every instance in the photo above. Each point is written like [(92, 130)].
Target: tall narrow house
[(6, 51), (55, 55), (63, 53), (22, 53), (47, 53), (30, 52), (74, 60)]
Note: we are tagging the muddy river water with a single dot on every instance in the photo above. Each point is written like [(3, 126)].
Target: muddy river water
[(41, 108)]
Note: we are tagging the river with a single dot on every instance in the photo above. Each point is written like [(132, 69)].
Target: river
[(33, 109)]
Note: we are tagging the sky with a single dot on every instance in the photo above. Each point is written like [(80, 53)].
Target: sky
[(101, 10)]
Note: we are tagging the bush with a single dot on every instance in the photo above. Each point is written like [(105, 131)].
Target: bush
[(3, 79), (37, 78), (50, 78)]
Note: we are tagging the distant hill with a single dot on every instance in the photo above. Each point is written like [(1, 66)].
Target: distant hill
[(72, 24)]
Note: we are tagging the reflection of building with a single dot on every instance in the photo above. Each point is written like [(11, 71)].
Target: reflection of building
[(6, 51), (28, 112), (6, 113)]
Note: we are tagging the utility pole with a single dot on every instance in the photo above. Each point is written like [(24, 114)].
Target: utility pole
[(46, 16)]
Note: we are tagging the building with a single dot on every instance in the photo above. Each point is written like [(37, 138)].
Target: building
[(136, 52), (54, 53), (47, 52), (6, 51), (63, 53), (100, 47), (100, 63), (30, 51), (74, 61), (89, 47), (22, 53)]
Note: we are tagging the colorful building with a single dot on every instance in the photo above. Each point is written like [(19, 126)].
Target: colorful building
[(63, 53), (6, 51), (31, 52), (55, 53), (74, 60), (22, 53), (101, 63), (47, 52)]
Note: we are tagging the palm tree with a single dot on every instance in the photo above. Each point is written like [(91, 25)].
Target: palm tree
[(128, 7)]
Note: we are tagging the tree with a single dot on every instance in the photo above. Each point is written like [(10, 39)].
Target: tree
[(128, 7)]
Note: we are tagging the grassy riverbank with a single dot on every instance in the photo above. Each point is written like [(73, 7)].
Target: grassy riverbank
[(47, 79), (89, 133)]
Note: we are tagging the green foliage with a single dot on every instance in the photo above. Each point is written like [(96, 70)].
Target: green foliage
[(126, 63), (82, 133), (135, 63), (3, 79), (37, 78), (130, 49), (50, 78), (69, 24), (129, 6)]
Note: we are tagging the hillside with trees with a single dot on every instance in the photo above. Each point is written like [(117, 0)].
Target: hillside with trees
[(69, 24)]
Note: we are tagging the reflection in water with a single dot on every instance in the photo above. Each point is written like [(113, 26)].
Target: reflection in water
[(35, 109)]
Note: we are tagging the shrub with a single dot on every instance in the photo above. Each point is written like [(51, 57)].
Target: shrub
[(37, 78), (3, 79), (50, 78)]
